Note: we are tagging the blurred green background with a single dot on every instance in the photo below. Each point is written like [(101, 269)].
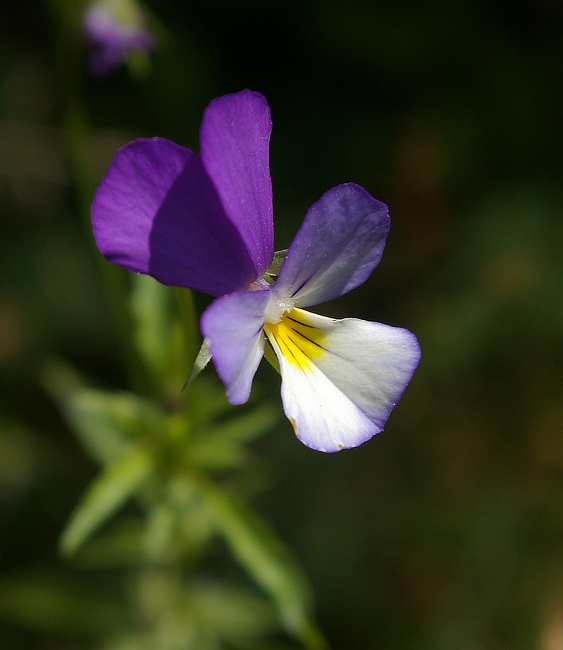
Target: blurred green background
[(445, 532)]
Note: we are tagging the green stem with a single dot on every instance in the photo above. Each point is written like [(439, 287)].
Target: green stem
[(190, 327)]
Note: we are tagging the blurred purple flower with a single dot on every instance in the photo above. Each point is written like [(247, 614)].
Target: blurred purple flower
[(114, 29), (205, 222)]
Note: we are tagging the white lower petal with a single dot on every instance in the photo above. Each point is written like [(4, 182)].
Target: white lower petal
[(340, 378), (323, 417)]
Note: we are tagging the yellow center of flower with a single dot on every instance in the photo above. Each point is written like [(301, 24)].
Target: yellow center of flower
[(297, 338)]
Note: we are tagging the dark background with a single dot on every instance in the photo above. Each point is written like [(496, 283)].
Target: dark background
[(445, 531)]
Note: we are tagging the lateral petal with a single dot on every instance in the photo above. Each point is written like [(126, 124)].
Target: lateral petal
[(157, 212), (340, 378), (338, 245), (234, 140), (233, 327)]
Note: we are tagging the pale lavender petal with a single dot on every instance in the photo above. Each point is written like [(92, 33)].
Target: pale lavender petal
[(234, 139), (157, 212), (337, 247), (233, 327)]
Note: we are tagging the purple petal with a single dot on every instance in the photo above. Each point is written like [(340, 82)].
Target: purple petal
[(234, 140), (233, 327), (157, 212), (337, 247)]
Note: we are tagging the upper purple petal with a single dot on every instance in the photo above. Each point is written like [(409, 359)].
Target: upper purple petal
[(234, 140), (157, 212), (233, 327), (340, 242)]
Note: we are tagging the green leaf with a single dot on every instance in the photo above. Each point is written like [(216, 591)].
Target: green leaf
[(118, 545), (178, 524), (236, 615), (104, 422), (50, 602), (116, 484), (272, 273), (267, 560), (223, 445), (207, 401), (202, 359)]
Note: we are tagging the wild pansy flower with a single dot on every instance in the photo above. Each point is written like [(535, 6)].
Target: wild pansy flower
[(205, 222), (115, 29)]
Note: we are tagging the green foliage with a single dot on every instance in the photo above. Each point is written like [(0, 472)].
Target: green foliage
[(263, 555), (167, 462), (117, 483), (202, 359), (53, 604), (174, 459)]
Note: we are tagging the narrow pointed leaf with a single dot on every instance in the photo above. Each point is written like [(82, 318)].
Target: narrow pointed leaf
[(117, 483), (202, 359), (225, 444), (105, 422), (47, 603), (267, 560), (274, 269)]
